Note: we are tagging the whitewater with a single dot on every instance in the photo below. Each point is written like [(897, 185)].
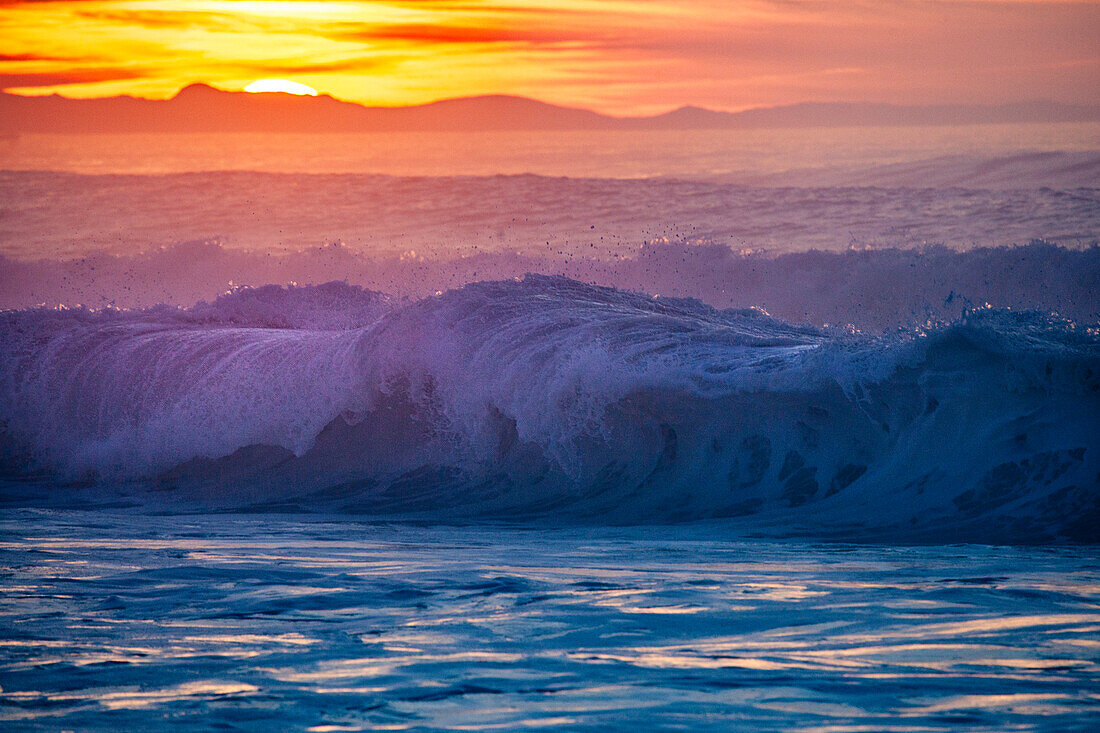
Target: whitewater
[(712, 440), (545, 397)]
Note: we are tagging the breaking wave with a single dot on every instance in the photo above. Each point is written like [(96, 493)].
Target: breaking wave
[(547, 398), (870, 289)]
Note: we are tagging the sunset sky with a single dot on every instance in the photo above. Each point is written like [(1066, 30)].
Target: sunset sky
[(616, 56)]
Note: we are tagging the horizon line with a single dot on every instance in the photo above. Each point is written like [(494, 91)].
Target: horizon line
[(520, 97)]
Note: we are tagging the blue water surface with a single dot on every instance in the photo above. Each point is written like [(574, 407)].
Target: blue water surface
[(118, 621)]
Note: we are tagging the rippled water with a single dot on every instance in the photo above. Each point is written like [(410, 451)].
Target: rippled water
[(243, 622), (611, 153)]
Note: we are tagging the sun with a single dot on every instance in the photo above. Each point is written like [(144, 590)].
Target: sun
[(280, 85)]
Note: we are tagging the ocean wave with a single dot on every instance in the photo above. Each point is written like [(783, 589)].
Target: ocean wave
[(870, 289), (545, 397)]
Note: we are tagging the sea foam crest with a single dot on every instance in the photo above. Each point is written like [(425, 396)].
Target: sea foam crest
[(547, 397)]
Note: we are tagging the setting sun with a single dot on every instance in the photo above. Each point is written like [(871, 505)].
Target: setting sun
[(281, 85)]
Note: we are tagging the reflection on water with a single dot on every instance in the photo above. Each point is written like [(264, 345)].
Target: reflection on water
[(120, 622), (581, 153)]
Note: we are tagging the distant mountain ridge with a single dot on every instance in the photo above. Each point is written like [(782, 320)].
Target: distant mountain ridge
[(202, 108)]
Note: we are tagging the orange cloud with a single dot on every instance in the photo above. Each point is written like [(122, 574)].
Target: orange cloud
[(619, 56)]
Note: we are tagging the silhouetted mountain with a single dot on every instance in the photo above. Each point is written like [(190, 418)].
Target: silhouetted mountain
[(826, 114), (201, 108)]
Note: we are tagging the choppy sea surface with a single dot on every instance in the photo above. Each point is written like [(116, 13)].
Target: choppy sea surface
[(781, 430), (115, 621)]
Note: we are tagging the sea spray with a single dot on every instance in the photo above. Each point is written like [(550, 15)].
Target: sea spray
[(546, 397)]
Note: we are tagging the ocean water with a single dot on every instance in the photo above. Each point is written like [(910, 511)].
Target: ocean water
[(544, 397), (742, 154), (67, 216), (791, 431), (114, 621)]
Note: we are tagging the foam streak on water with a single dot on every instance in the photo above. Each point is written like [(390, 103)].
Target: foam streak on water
[(113, 621)]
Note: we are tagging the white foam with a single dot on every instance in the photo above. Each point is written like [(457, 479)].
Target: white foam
[(548, 396)]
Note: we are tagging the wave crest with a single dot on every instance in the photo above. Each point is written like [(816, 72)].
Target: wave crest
[(547, 397)]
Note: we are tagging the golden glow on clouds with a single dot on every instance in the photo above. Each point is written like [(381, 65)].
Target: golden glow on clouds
[(619, 56)]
